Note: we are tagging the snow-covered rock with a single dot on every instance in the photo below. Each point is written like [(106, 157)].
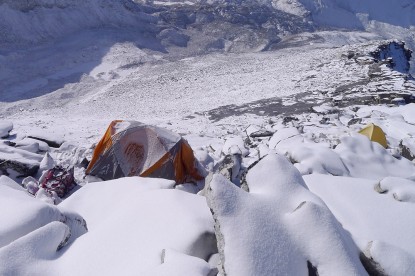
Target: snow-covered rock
[(21, 214), (52, 139), (5, 128), (23, 162), (130, 223), (6, 181), (369, 210), (30, 142), (279, 226), (367, 159), (235, 145), (47, 163), (285, 138), (355, 156)]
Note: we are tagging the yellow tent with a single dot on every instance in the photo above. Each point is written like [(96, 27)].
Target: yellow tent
[(375, 134)]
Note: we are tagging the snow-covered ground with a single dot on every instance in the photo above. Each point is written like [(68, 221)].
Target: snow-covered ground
[(284, 85)]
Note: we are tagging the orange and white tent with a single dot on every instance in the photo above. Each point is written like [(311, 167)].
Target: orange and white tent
[(130, 148)]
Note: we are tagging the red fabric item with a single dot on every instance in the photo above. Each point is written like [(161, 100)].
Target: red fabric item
[(59, 180)]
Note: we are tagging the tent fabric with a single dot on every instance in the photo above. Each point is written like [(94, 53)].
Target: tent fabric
[(130, 148), (375, 134)]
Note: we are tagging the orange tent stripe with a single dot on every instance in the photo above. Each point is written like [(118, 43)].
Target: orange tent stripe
[(156, 165), (104, 144), (184, 164)]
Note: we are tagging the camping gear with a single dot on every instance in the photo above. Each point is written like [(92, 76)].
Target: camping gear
[(58, 180), (130, 148), (375, 134)]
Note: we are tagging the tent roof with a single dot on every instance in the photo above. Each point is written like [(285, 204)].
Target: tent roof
[(375, 134)]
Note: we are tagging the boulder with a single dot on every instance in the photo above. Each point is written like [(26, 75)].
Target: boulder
[(5, 128), (43, 146), (52, 140), (23, 162), (407, 148)]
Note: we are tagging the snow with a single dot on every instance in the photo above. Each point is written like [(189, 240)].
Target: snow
[(136, 217), (27, 215), (395, 260), (285, 136), (370, 214), (282, 222), (177, 264), (43, 146), (235, 145), (342, 198), (19, 155), (4, 180)]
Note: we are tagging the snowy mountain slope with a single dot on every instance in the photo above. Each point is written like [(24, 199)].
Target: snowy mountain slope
[(349, 13), (389, 19), (249, 77), (39, 20)]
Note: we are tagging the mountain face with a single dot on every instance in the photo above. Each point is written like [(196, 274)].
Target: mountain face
[(205, 25), (23, 22)]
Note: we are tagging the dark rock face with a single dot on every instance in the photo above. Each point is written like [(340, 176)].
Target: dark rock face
[(371, 266), (395, 54), (256, 26), (406, 151)]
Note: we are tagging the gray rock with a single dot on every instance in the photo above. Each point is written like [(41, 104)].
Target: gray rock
[(230, 167), (407, 149)]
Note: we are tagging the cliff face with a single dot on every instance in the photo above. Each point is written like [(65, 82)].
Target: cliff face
[(398, 57)]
